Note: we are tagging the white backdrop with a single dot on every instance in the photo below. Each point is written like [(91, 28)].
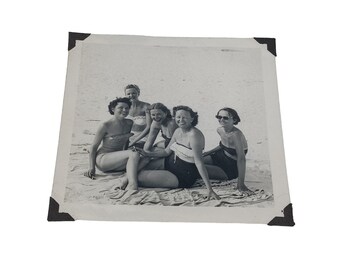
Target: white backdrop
[(33, 52)]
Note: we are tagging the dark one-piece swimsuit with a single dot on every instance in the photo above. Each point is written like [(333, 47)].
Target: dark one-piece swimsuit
[(226, 159), (185, 171), (167, 140)]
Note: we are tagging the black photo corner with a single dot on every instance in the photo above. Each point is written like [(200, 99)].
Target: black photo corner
[(271, 45), (54, 215), (73, 37)]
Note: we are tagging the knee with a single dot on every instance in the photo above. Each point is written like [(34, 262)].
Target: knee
[(99, 164), (134, 155), (172, 181)]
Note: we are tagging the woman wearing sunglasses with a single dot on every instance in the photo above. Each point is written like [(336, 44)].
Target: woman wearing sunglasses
[(230, 154)]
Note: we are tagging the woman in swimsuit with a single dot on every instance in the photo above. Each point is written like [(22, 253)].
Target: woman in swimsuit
[(184, 153), (113, 155), (114, 135), (230, 154), (161, 121), (139, 114)]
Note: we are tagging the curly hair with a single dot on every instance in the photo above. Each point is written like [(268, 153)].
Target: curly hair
[(132, 86), (233, 113), (193, 114), (113, 103)]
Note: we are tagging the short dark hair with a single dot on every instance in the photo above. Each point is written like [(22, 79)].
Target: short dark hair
[(114, 103), (132, 86), (233, 113), (160, 106), (193, 114)]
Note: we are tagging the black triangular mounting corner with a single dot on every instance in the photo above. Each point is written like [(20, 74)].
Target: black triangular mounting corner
[(271, 44), (286, 220), (73, 36), (54, 215)]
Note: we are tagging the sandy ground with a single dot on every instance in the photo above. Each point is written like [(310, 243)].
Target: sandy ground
[(106, 189)]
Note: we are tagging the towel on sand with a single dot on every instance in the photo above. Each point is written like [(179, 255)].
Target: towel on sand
[(108, 190)]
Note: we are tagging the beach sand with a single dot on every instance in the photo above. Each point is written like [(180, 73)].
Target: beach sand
[(106, 188)]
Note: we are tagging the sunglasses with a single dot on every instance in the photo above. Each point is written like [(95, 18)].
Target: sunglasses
[(226, 118)]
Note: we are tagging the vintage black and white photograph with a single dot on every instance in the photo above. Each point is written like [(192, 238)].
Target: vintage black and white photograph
[(171, 129)]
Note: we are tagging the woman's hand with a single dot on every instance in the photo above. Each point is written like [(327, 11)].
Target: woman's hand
[(132, 144), (90, 174), (142, 152), (213, 195)]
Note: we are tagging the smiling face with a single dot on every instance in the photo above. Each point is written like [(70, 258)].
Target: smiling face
[(183, 119), (121, 110), (225, 119), (132, 94), (157, 115)]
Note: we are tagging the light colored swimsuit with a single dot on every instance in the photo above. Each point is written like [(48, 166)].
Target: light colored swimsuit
[(139, 124), (112, 143)]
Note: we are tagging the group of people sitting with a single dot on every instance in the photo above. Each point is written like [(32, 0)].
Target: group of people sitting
[(126, 142)]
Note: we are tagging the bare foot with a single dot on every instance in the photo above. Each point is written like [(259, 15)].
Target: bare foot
[(123, 181), (244, 189), (131, 186)]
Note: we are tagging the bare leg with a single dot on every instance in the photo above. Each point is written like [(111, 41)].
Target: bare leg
[(208, 160), (122, 160), (141, 164), (132, 169), (157, 179), (215, 172), (114, 161), (155, 164), (124, 179), (160, 144), (134, 165)]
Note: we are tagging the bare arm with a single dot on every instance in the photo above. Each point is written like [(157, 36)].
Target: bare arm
[(93, 150), (197, 145), (241, 162), (130, 124), (154, 130), (211, 151), (172, 126), (146, 129), (161, 152)]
